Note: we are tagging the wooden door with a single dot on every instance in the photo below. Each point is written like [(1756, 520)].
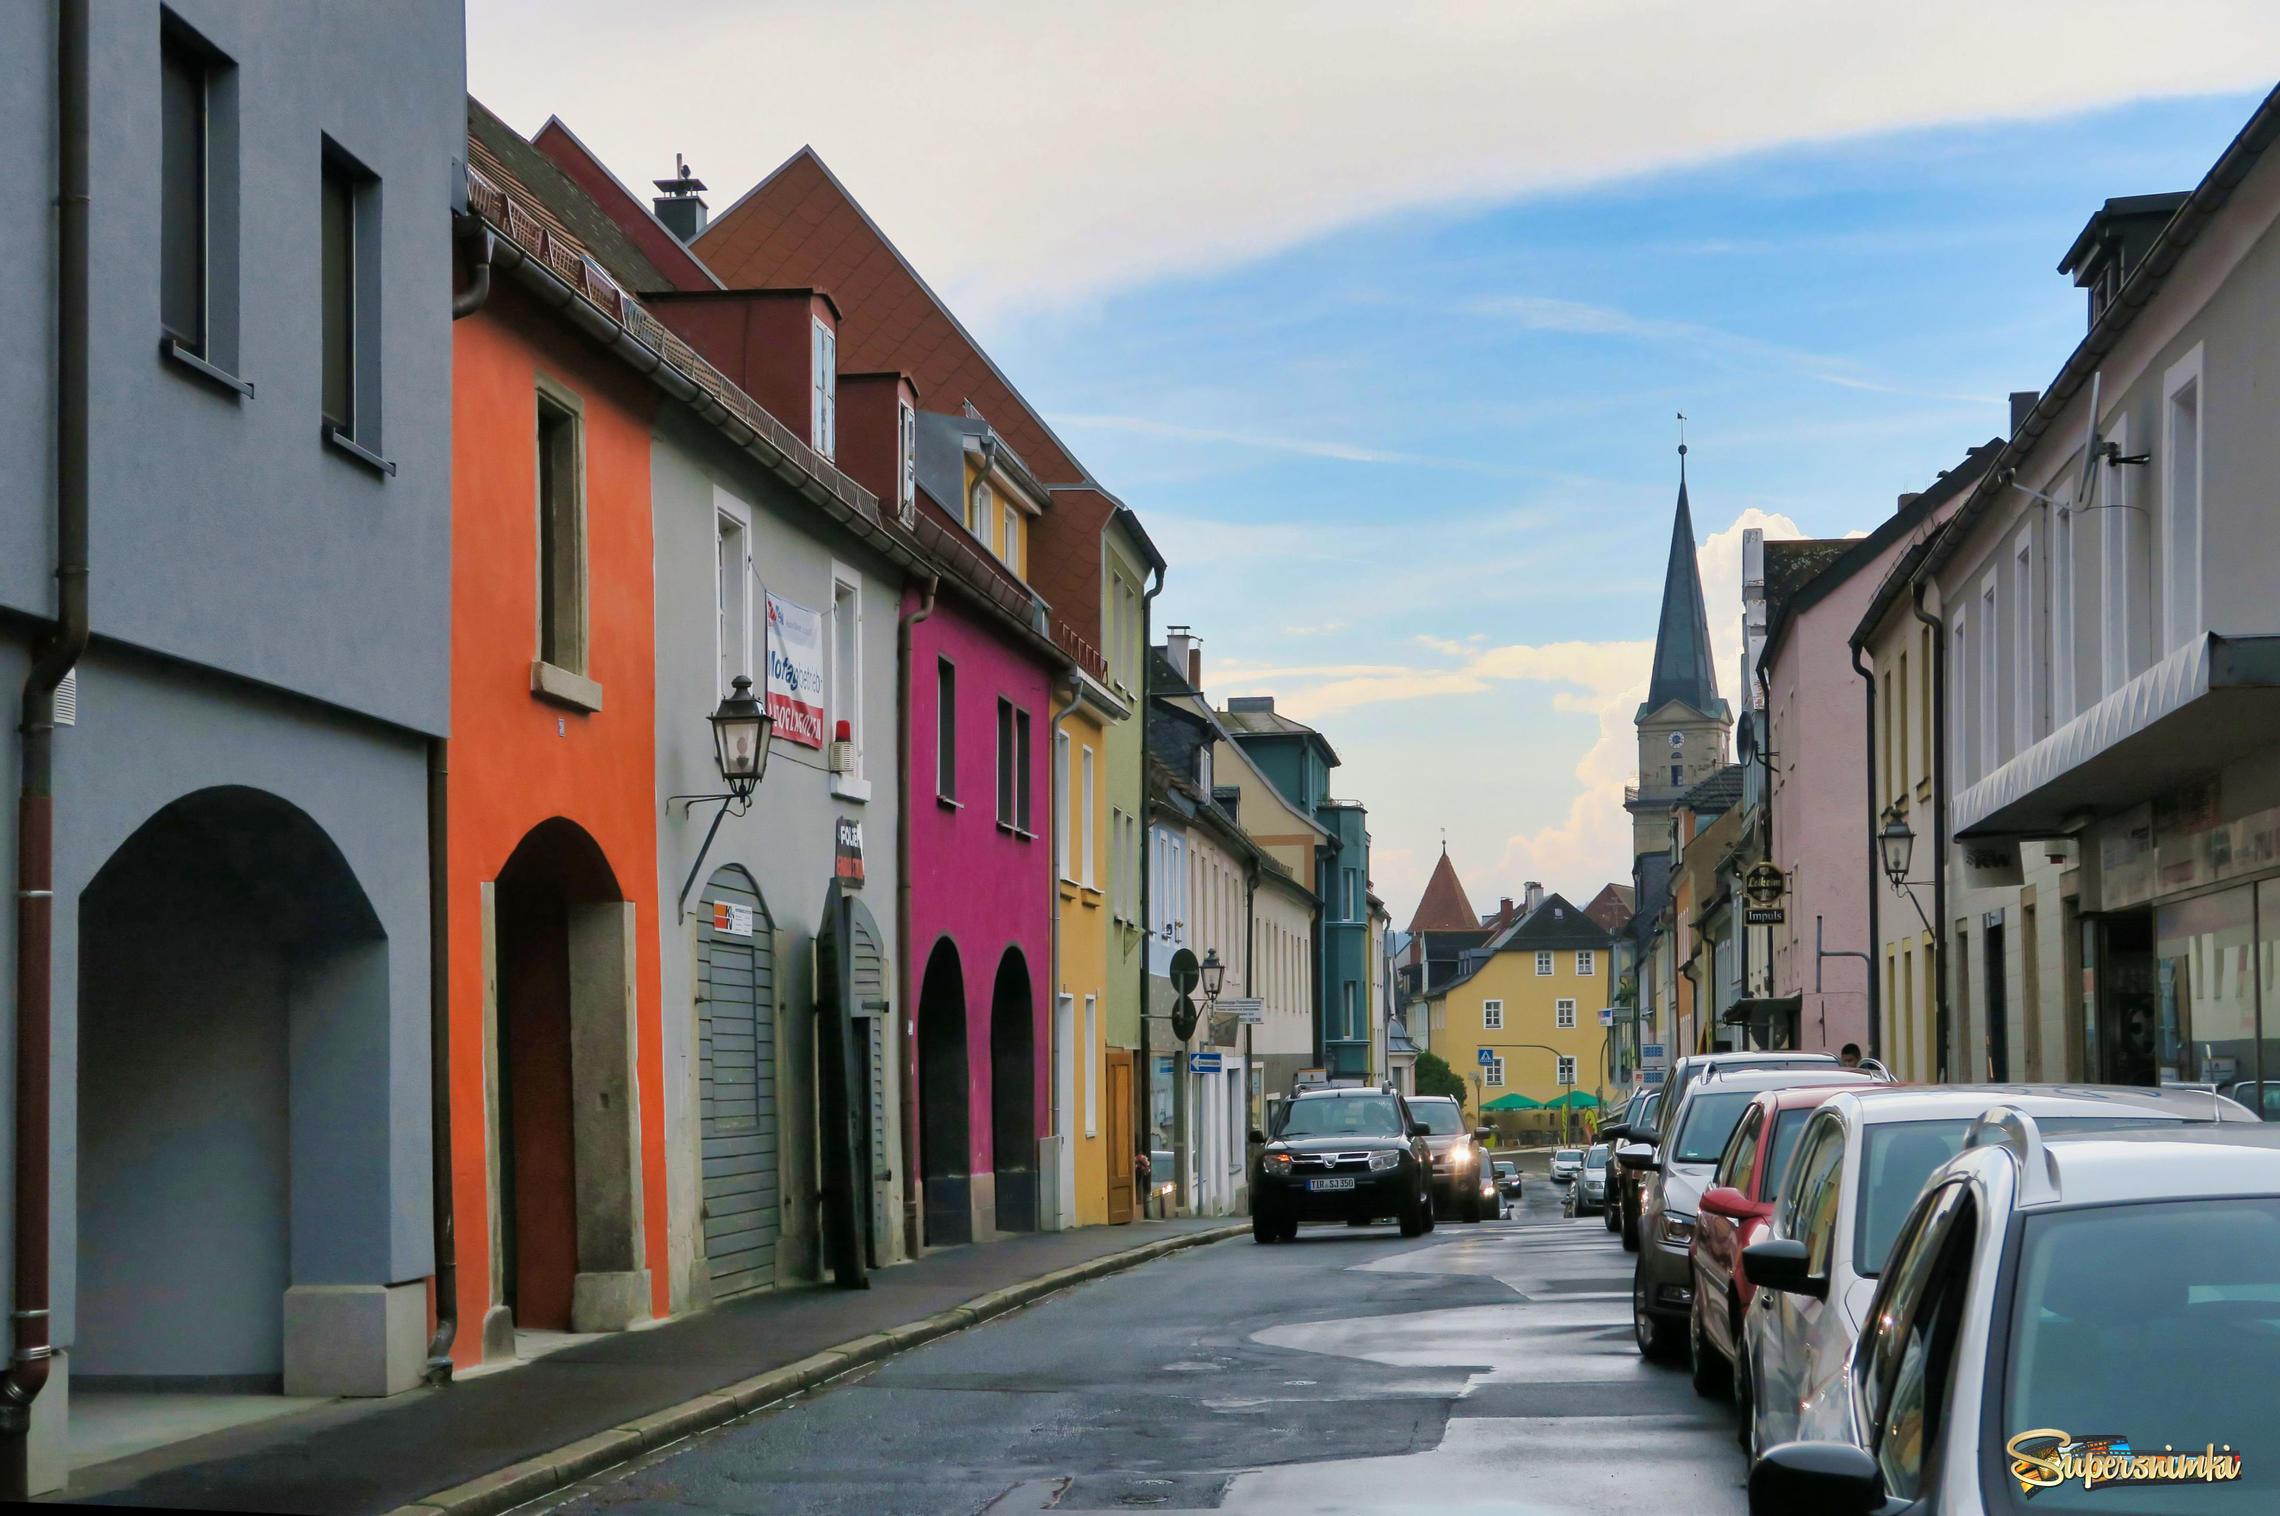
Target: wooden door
[(1119, 1135)]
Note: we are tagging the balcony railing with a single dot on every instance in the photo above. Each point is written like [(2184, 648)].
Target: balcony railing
[(1086, 656)]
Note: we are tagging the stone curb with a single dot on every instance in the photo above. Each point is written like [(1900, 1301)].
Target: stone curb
[(517, 1483)]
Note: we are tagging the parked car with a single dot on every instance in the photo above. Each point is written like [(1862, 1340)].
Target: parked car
[(1462, 1184), (2260, 1096), (1733, 1213), (1351, 1155), (1677, 1172), (1591, 1184), (2048, 1294), (1566, 1164), (1859, 1166), (1637, 1125), (1649, 1129)]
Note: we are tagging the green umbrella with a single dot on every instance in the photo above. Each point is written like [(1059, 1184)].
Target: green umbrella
[(1513, 1102), (1574, 1100)]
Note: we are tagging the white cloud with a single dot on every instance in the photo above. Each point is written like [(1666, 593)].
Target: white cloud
[(1028, 150)]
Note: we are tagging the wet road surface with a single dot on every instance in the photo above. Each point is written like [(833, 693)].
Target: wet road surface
[(1484, 1367)]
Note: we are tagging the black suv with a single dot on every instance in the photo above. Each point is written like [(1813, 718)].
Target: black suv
[(1350, 1155)]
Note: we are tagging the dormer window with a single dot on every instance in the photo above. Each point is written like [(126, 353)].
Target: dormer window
[(906, 433), (823, 429), (978, 510)]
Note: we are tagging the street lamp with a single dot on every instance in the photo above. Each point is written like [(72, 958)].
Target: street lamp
[(1897, 845), (741, 729), (1214, 975)]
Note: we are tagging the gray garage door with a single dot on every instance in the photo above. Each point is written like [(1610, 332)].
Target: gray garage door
[(871, 1005), (736, 1082)]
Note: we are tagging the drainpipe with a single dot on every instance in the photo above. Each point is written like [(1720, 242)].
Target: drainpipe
[(467, 302), (1939, 821), (1143, 1087), (1053, 908), (914, 1239), (1875, 869), (29, 1349), (439, 1059)]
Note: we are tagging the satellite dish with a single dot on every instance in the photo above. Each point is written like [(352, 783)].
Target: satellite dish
[(1745, 737), (2089, 481)]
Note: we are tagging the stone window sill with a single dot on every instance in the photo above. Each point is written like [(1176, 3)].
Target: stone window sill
[(851, 787), (561, 687)]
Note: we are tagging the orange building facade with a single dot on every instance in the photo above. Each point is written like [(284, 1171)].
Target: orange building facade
[(558, 1144)]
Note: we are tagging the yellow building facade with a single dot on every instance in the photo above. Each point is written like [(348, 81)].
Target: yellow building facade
[(1088, 883), (1532, 998)]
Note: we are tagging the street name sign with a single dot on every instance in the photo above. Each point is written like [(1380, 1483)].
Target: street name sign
[(1250, 1011)]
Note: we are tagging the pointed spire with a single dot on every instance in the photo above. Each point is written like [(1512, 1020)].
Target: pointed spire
[(1443, 907), (1682, 669)]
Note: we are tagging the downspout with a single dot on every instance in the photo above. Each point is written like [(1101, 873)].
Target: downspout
[(1875, 870), (913, 1230), (1143, 1086), (468, 301), (1941, 1016), (1053, 915), (57, 653)]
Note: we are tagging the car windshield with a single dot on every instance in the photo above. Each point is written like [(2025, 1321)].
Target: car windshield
[(2156, 1324), (1786, 1126), (1897, 1157), (1505, 1167), (1709, 1122), (1567, 1155), (1342, 1116), (1596, 1157), (1440, 1117)]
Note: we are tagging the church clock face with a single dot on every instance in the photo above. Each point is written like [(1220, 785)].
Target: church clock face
[(1678, 739)]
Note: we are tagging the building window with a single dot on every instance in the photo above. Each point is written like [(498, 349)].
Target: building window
[(1086, 826), (979, 506), (561, 533), (732, 577), (1010, 548), (1350, 1023), (1353, 894), (1021, 786), (847, 664), (183, 228), (946, 729), (1900, 730), (1492, 1015), (2181, 514), (1005, 762), (1544, 961), (1092, 1066), (1676, 771), (1061, 843), (349, 301), (825, 430), (1492, 1073), (1563, 1014), (2024, 724), (1566, 1069), (1960, 735), (1586, 962), (1990, 671), (906, 435)]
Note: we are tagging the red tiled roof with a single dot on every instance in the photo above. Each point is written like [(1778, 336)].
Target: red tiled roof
[(1611, 907), (1443, 907)]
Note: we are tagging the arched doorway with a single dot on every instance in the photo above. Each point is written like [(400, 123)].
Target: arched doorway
[(736, 1084), (1013, 1094), (567, 1225), (233, 1077), (945, 1144)]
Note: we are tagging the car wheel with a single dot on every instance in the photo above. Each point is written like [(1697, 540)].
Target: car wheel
[(1612, 1214), (1289, 1229), (1745, 1391), (1713, 1375), (1264, 1228), (1630, 1229), (1472, 1206), (1651, 1335), (1417, 1217)]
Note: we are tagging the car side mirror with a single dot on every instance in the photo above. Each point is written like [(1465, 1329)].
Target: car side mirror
[(1614, 1131), (1417, 1129), (1639, 1158), (1257, 1135), (1815, 1479), (1781, 1263), (1724, 1200), (1484, 1134)]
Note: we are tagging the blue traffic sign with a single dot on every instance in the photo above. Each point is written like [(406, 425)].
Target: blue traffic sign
[(1203, 1063), (1487, 1057)]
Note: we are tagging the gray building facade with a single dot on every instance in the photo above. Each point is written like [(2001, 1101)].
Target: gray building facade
[(239, 1189)]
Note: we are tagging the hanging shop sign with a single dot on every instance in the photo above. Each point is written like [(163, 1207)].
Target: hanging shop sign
[(1248, 1010), (847, 849), (795, 672)]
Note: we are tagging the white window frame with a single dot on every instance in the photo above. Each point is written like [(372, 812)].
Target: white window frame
[(2026, 714), (1563, 1015), (906, 438), (847, 675), (824, 399), (978, 511), (1092, 1066), (1544, 962), (1492, 1015), (1061, 848), (1009, 550), (1492, 1074), (2184, 513), (732, 624), (1586, 963), (1963, 734), (1565, 1073), (1085, 825), (2059, 571), (1990, 655)]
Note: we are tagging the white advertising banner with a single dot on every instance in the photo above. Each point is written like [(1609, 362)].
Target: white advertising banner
[(795, 672)]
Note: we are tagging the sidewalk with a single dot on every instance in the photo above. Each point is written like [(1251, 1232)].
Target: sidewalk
[(360, 1458)]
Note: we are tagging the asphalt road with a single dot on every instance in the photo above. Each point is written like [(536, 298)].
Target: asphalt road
[(1479, 1368)]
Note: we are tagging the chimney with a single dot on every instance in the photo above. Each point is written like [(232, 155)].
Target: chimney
[(1908, 498), (681, 208), (1504, 911), (1532, 894), (1183, 650), (2022, 406)]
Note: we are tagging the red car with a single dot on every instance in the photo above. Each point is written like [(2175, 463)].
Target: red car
[(1734, 1213)]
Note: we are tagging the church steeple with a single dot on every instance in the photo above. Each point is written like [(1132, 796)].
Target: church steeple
[(1682, 670)]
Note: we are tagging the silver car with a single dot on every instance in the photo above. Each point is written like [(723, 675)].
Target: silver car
[(1591, 1183), (1858, 1166), (2053, 1300)]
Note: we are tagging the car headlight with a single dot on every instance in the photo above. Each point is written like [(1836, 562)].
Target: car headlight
[(1386, 1160), (1461, 1158), (1275, 1163), (1678, 1229)]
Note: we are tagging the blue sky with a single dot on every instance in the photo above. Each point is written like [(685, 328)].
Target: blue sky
[(1455, 426)]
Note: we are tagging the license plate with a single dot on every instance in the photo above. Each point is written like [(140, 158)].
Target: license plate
[(1346, 1183)]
